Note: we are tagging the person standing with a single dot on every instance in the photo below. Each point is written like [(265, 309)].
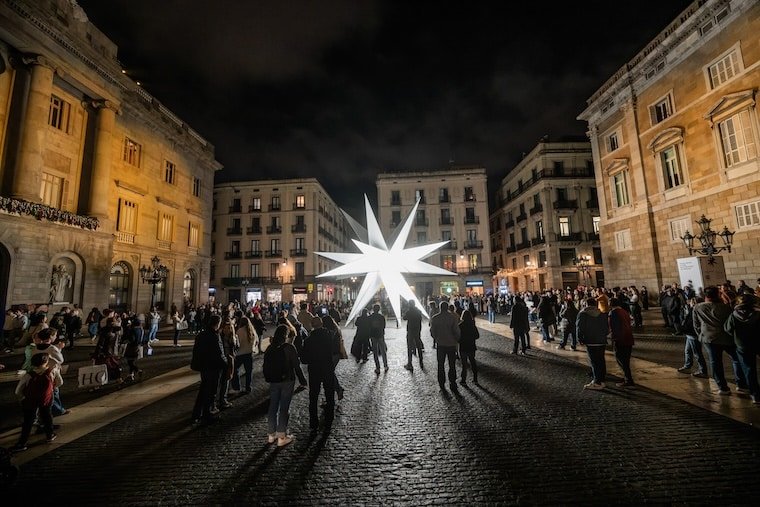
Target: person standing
[(134, 340), (360, 347), (744, 325), (692, 347), (377, 336), (155, 320), (622, 340), (644, 297), (318, 351), (179, 324), (568, 313), (468, 333), (329, 323), (546, 317), (208, 359), (592, 329), (280, 363), (520, 325), (231, 345), (35, 388), (444, 328), (248, 341), (413, 318), (709, 320)]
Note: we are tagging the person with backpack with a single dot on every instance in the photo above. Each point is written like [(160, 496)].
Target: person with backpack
[(280, 364), (35, 388)]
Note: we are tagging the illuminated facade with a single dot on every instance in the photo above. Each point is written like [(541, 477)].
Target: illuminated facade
[(547, 220), (265, 235), (675, 135), (453, 207), (96, 175)]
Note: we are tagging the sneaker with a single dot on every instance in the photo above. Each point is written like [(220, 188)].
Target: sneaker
[(285, 440), (742, 390), (409, 367), (377, 371), (560, 347), (178, 345), (699, 374), (724, 392), (18, 448), (755, 399), (51, 438), (594, 385), (684, 369), (272, 438)]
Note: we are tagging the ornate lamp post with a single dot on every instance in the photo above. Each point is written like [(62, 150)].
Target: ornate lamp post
[(153, 275), (706, 239), (582, 263)]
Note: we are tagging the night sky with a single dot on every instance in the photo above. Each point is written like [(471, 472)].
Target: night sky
[(343, 89)]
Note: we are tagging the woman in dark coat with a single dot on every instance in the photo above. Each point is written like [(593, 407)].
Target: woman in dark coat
[(468, 333), (548, 317), (360, 347), (520, 325)]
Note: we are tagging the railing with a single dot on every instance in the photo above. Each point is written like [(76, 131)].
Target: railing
[(573, 236), (538, 241), (275, 207), (536, 209), (253, 230), (511, 249), (523, 245), (469, 198), (451, 245), (298, 228), (274, 229), (593, 236), (522, 217), (273, 279), (509, 223), (43, 212), (236, 209), (471, 220), (298, 252), (252, 209), (125, 237), (420, 222), (566, 204), (273, 253), (446, 221), (234, 231), (164, 244), (253, 254), (395, 202), (592, 204), (473, 243), (233, 255), (299, 206), (444, 198), (577, 172)]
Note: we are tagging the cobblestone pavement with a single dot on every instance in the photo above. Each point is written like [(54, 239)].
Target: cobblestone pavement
[(527, 435)]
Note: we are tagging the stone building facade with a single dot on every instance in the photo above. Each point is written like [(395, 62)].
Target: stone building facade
[(96, 176), (675, 135), (265, 235), (453, 207), (548, 220)]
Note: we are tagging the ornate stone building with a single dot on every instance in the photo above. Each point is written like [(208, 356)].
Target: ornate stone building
[(96, 176), (675, 135), (548, 220), (453, 207), (265, 235)]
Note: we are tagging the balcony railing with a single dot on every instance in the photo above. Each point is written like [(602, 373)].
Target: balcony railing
[(298, 228), (236, 209), (253, 229), (469, 198), (536, 209), (446, 221), (253, 254), (43, 212), (511, 249), (592, 204), (233, 255), (451, 245), (273, 253), (578, 172), (473, 243), (275, 207), (234, 231), (538, 241), (573, 236), (252, 209), (523, 245), (420, 222), (273, 279), (472, 220), (444, 198), (298, 252), (274, 229), (509, 223), (299, 206), (566, 204), (396, 202), (593, 236), (522, 217), (125, 237)]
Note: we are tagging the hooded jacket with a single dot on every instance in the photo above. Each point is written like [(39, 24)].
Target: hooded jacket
[(592, 327), (709, 319), (744, 325)]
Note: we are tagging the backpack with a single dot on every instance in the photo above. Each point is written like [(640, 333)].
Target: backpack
[(275, 364), (38, 390)]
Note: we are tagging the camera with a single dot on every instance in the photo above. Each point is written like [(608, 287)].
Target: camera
[(324, 311)]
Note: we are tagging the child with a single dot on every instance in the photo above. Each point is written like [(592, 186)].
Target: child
[(36, 392)]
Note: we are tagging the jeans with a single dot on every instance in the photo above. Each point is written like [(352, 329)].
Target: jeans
[(598, 364), (176, 336), (569, 330), (413, 346), (204, 402), (468, 357), (224, 386), (623, 358), (692, 349), (449, 353), (246, 361), (153, 331), (93, 329), (57, 407), (280, 394), (547, 337), (748, 361), (378, 347), (715, 354), (46, 418), (317, 380), (521, 340), (491, 315)]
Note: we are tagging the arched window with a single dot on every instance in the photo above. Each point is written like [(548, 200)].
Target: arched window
[(188, 287), (118, 293)]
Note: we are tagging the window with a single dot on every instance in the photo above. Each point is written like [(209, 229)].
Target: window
[(561, 194), (58, 116), (469, 195), (51, 190), (193, 235), (300, 271), (524, 234), (443, 194), (472, 235), (536, 200), (395, 218), (300, 201), (678, 228), (724, 69), (255, 245), (713, 21), (235, 247), (526, 261), (132, 152), (597, 252), (213, 225), (445, 235), (473, 261), (421, 219), (620, 189), (300, 244), (165, 227), (672, 172), (127, 219), (421, 237), (274, 270), (748, 215), (447, 262), (213, 250), (737, 139), (256, 205), (540, 229), (419, 195), (234, 270), (255, 271), (661, 110), (169, 169), (595, 224), (623, 240), (566, 256), (196, 187), (613, 143), (395, 198), (514, 262), (274, 245), (559, 166), (275, 202), (564, 226), (542, 258)]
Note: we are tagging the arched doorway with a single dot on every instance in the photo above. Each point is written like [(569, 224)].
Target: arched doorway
[(118, 292), (5, 273), (188, 287)]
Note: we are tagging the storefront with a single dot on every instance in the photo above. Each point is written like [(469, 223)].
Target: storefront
[(474, 287), (449, 288)]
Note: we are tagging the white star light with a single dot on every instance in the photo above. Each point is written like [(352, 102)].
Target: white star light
[(383, 266)]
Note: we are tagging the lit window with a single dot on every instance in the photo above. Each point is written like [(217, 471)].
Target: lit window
[(194, 234), (256, 204), (623, 240), (595, 223), (132, 152), (737, 138), (678, 228), (300, 201), (127, 220), (473, 261), (540, 229), (671, 168), (51, 190), (165, 227), (724, 69), (60, 111), (564, 226), (169, 169), (748, 215)]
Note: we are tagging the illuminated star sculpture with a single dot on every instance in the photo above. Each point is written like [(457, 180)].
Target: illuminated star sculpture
[(383, 266)]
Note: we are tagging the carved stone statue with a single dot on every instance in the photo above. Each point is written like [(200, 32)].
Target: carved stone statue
[(59, 284)]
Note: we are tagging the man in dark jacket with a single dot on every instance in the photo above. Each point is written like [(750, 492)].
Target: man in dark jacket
[(413, 318), (569, 313), (622, 339), (744, 325), (318, 351), (208, 359), (520, 325), (377, 337), (592, 328)]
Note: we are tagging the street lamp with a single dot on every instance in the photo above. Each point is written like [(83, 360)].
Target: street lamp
[(582, 263), (706, 239), (153, 275)]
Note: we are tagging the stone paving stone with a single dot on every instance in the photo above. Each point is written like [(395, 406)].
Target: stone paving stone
[(528, 435)]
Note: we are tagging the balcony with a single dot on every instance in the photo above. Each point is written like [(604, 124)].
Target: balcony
[(446, 221), (298, 228), (273, 253), (253, 230), (298, 252), (253, 254), (451, 245), (274, 229), (297, 206), (273, 280), (420, 222), (233, 255), (125, 237), (444, 198), (538, 241), (164, 244), (472, 220), (509, 223), (522, 217), (572, 237), (523, 245), (566, 204), (473, 243), (253, 209), (275, 207), (469, 198), (236, 209), (593, 236), (536, 209), (234, 231), (511, 249), (592, 204), (396, 202)]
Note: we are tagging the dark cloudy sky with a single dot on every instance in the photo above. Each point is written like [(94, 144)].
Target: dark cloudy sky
[(344, 89)]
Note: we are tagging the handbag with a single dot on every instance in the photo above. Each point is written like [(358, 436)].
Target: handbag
[(91, 376), (182, 325)]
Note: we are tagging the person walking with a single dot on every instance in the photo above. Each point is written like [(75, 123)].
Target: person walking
[(520, 325), (35, 388), (318, 351), (329, 323), (547, 318), (279, 367), (744, 325), (360, 348), (622, 340), (709, 323), (468, 334), (413, 318), (568, 313), (377, 337), (248, 342), (208, 359), (592, 328), (692, 347), (230, 344), (444, 328), (134, 340)]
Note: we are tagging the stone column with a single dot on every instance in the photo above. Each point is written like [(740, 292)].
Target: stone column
[(97, 204), (28, 171)]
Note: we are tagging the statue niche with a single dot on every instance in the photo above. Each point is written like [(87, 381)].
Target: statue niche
[(62, 282)]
